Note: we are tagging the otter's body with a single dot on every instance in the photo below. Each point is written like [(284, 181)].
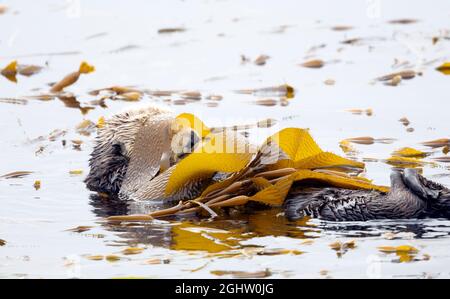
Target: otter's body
[(134, 158)]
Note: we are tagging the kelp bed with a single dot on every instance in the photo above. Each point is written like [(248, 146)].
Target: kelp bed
[(289, 156)]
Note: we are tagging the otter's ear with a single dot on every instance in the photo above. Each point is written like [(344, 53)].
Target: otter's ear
[(151, 142)]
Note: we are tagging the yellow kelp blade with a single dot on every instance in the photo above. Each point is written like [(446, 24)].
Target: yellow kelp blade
[(444, 68), (296, 143), (86, 68), (409, 152), (261, 183), (221, 153), (340, 181), (274, 195), (10, 71), (188, 120), (326, 160)]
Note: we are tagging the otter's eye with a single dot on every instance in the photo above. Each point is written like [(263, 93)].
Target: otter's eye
[(118, 148)]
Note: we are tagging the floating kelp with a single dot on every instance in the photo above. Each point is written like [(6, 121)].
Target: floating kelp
[(80, 229), (171, 30), (243, 274), (367, 140), (444, 68), (14, 101), (404, 162), (71, 78), (266, 177), (407, 74), (10, 71), (28, 70), (437, 143), (16, 174), (341, 28), (261, 60), (315, 64), (277, 91), (409, 152), (403, 21), (445, 159), (368, 112)]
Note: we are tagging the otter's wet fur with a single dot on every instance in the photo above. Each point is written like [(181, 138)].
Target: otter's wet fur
[(411, 195), (114, 145)]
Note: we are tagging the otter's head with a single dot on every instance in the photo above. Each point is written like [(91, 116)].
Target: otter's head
[(133, 147)]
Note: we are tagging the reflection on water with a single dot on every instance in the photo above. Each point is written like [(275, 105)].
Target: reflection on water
[(193, 233)]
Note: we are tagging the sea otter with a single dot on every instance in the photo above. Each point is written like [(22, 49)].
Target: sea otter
[(135, 155)]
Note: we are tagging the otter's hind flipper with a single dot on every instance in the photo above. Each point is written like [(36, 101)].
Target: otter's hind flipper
[(417, 184)]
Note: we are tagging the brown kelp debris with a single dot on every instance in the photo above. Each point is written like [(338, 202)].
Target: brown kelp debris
[(191, 95), (16, 174), (315, 64), (3, 9), (125, 48), (403, 21), (284, 90), (171, 30), (132, 96), (13, 101), (96, 35), (2, 242), (405, 121), (445, 159), (261, 59), (368, 111), (446, 149), (437, 143), (329, 82), (132, 250), (352, 41), (266, 102), (367, 140), (341, 28), (395, 81), (114, 90), (444, 68), (28, 70), (79, 229), (71, 78), (214, 97), (243, 274)]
